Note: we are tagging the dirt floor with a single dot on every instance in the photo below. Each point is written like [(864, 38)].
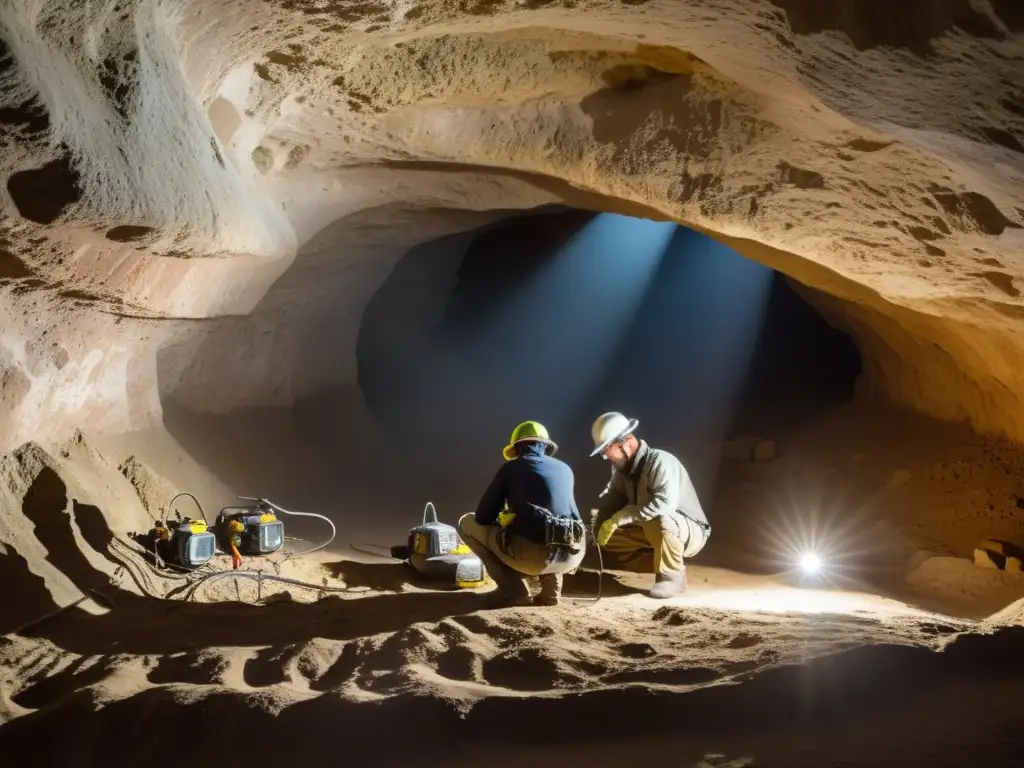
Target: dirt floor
[(901, 653), (744, 668)]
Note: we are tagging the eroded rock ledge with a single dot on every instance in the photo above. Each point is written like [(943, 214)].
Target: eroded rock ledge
[(167, 165)]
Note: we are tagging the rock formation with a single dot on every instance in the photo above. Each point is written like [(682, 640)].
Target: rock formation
[(199, 198)]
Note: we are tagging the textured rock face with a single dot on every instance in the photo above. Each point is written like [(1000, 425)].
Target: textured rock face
[(199, 198)]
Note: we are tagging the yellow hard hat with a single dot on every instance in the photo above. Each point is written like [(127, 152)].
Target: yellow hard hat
[(529, 432)]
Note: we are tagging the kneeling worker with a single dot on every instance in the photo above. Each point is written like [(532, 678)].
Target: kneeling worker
[(649, 517), (527, 523)]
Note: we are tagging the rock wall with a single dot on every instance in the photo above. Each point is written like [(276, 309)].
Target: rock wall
[(198, 199)]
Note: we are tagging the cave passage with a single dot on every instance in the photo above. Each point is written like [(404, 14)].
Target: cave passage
[(560, 315)]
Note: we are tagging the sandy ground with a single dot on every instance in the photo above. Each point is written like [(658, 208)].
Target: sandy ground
[(743, 667), (378, 667)]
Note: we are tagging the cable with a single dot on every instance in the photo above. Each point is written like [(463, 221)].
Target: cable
[(257, 576), (361, 550), (196, 577), (433, 512), (48, 616), (184, 573), (123, 562), (600, 575), (185, 578), (186, 493)]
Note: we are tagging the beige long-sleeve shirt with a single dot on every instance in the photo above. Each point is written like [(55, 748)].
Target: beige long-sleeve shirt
[(656, 483)]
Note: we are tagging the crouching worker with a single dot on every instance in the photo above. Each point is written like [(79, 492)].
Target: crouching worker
[(527, 523), (649, 518)]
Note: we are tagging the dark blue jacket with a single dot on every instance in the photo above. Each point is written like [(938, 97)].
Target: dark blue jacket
[(529, 481)]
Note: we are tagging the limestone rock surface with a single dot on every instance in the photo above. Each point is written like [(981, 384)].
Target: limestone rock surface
[(198, 199)]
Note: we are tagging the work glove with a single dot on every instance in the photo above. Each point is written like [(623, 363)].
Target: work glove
[(605, 532), (624, 516)]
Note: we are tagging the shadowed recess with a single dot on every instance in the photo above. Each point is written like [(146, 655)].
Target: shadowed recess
[(563, 315), (43, 194), (878, 23)]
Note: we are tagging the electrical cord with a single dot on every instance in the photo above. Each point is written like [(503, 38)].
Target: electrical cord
[(364, 551), (600, 575), (195, 578), (183, 573), (60, 610), (200, 506), (125, 563), (258, 577), (46, 617)]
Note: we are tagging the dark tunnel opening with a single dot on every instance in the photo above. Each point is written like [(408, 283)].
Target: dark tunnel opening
[(561, 315)]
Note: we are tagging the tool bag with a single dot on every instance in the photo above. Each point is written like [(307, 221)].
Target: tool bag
[(564, 536), (561, 532), (564, 532)]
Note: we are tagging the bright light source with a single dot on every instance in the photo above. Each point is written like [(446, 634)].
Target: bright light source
[(810, 563)]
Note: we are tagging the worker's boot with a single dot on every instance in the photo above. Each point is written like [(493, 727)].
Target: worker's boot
[(550, 589), (533, 584), (668, 585), (512, 590), (510, 597)]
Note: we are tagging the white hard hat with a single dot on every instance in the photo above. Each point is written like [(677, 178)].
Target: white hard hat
[(609, 428)]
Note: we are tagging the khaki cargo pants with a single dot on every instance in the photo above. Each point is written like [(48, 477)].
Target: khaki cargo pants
[(524, 557), (657, 546)]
